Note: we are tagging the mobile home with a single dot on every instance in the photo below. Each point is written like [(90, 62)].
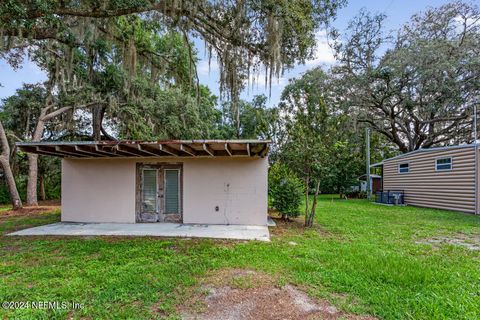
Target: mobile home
[(443, 177)]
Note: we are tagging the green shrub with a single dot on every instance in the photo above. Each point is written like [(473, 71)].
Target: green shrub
[(356, 194), (285, 190)]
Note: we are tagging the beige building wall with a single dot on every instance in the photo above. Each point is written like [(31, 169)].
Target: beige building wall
[(238, 186), (426, 187), (98, 190), (103, 190)]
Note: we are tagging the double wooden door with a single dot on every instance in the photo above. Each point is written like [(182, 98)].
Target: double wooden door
[(160, 194)]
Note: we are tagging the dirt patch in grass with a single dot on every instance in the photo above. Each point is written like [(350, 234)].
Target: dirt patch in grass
[(28, 211), (248, 294), (468, 241), (285, 227), (293, 226), (50, 203)]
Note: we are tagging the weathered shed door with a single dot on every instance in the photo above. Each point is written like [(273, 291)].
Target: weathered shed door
[(172, 191), (159, 194), (149, 211)]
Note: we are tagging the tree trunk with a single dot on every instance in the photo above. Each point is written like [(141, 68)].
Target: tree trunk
[(238, 119), (7, 170), (107, 135), (307, 181), (42, 188), (97, 122), (314, 205), (32, 180), (32, 199)]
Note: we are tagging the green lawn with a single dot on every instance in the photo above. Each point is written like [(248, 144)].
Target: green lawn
[(363, 257)]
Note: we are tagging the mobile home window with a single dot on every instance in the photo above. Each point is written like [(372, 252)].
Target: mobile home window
[(403, 168), (443, 164)]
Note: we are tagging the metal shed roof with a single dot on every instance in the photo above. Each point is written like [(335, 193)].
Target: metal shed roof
[(378, 164), (147, 149), (461, 146)]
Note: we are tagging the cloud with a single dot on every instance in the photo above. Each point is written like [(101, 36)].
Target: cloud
[(470, 22), (203, 69), (323, 53), (257, 80)]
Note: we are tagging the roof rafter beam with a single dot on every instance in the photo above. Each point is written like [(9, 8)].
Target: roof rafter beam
[(54, 151), (208, 149), (188, 149), (150, 151), (73, 149), (123, 152), (168, 149), (48, 153), (109, 153), (133, 149), (85, 151), (69, 153), (228, 149)]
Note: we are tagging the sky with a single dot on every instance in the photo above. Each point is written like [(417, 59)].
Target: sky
[(397, 11)]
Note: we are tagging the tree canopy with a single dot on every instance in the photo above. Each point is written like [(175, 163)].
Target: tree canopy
[(419, 92), (244, 36)]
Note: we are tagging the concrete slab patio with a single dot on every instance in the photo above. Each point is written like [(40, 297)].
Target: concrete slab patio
[(237, 232)]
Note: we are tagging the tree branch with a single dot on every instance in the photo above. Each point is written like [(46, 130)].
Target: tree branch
[(65, 109)]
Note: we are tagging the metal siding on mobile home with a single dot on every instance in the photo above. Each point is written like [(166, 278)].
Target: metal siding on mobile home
[(426, 187)]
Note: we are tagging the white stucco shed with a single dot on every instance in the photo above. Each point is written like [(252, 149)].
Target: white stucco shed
[(192, 182)]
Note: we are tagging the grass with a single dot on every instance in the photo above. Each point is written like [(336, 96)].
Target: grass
[(363, 257), (4, 207)]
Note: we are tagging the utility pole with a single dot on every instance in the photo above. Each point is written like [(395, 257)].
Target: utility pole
[(476, 155), (475, 124), (367, 156)]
